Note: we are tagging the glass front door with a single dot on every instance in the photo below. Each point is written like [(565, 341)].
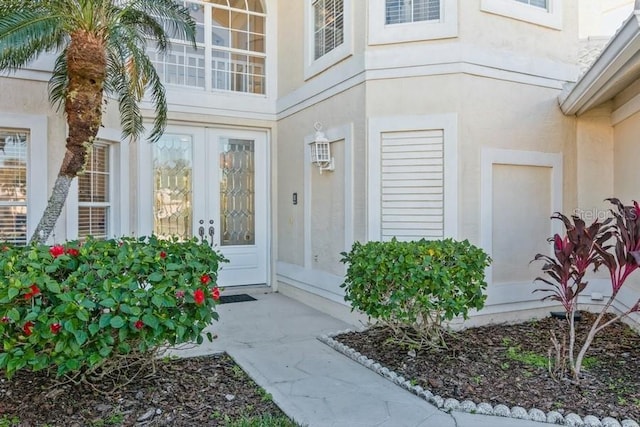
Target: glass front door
[(213, 184)]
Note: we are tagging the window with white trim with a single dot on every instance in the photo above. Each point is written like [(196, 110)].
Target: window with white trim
[(94, 194), (404, 11), (398, 21), (546, 13), (13, 185), (328, 26), (231, 48), (537, 3)]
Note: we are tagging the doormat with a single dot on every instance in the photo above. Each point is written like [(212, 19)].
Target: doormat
[(227, 299)]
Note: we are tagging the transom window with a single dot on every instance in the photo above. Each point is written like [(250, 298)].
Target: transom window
[(231, 50), (328, 26), (404, 11), (13, 185), (94, 194), (537, 3)]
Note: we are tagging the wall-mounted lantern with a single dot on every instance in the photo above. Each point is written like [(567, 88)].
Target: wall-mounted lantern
[(321, 151)]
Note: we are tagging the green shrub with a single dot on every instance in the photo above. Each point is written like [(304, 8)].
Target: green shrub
[(415, 286), (80, 306)]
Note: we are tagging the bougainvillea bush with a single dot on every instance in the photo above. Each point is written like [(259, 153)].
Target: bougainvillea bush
[(80, 306)]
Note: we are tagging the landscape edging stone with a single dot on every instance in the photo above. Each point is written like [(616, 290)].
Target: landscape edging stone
[(482, 408)]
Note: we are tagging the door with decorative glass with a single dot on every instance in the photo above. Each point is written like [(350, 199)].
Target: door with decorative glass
[(212, 184)]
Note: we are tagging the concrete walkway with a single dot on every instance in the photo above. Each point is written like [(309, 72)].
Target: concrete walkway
[(275, 341)]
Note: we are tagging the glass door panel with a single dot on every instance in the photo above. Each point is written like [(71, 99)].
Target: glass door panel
[(172, 186), (237, 192)]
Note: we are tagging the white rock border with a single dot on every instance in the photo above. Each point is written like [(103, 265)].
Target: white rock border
[(483, 408)]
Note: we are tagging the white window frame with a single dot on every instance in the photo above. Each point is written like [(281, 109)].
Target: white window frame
[(118, 191), (381, 33), (550, 17), (315, 66), (37, 178), (448, 123)]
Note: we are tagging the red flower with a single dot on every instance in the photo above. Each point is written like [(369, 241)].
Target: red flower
[(163, 254), (204, 279), (73, 252), (56, 251), (198, 296), (55, 328), (215, 293), (180, 294), (5, 319), (34, 291), (27, 328), (139, 324)]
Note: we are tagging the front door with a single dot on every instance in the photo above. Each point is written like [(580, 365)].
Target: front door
[(212, 184)]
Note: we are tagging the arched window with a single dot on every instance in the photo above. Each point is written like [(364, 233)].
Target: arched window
[(231, 54)]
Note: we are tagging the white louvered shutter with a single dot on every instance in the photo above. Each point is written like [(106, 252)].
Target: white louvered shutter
[(412, 187)]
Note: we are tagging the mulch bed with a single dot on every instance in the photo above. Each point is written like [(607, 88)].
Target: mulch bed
[(506, 364), (202, 391)]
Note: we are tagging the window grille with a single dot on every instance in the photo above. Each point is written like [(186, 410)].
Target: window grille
[(231, 50), (328, 26), (404, 11), (94, 194), (537, 3), (13, 185)]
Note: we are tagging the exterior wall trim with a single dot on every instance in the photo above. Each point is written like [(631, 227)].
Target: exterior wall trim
[(379, 33), (313, 66), (377, 125), (626, 110), (37, 163), (339, 133), (551, 18), (119, 215), (492, 156)]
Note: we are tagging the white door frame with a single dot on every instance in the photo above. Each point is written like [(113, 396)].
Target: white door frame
[(205, 161)]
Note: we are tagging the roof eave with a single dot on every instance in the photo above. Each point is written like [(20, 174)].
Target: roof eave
[(614, 62)]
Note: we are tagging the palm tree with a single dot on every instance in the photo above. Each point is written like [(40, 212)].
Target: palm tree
[(102, 56)]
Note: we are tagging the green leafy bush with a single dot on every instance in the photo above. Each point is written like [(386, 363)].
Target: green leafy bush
[(415, 286), (79, 306)]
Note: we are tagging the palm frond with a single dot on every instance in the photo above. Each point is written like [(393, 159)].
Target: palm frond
[(173, 17), (25, 34), (58, 83), (149, 26)]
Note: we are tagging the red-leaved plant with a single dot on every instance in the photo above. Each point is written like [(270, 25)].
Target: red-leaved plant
[(614, 244)]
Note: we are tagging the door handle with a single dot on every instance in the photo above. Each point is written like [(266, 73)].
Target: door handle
[(201, 230), (212, 231)]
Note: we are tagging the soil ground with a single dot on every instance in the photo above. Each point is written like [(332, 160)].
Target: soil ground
[(509, 364), (203, 391)]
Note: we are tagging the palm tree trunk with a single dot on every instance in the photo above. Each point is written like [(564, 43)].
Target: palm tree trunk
[(86, 70), (53, 209)]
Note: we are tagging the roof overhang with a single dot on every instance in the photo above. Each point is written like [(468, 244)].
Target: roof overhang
[(614, 70)]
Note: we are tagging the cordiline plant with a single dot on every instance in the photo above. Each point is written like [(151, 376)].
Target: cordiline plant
[(613, 243)]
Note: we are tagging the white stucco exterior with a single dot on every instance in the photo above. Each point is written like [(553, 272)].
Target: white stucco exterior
[(485, 79)]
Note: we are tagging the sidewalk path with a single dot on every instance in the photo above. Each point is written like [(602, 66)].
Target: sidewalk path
[(274, 339)]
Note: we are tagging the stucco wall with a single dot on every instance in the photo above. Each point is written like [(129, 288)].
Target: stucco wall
[(595, 169), (31, 98), (491, 114), (626, 155), (521, 37), (292, 37), (342, 110)]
